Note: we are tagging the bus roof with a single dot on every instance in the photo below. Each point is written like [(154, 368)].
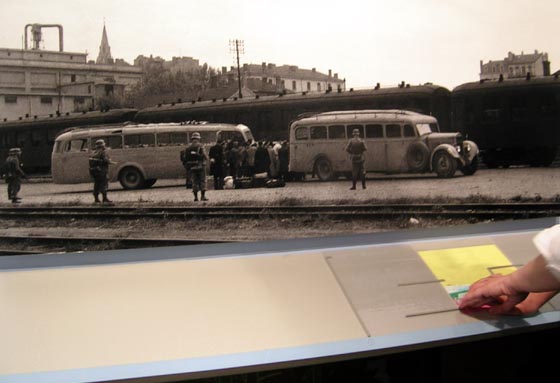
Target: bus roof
[(147, 128), (362, 115)]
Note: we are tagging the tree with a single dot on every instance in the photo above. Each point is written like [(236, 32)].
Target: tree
[(160, 83)]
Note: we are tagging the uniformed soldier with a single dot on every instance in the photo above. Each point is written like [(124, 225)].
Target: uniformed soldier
[(356, 148), (99, 170), (195, 159), (13, 173), (218, 163)]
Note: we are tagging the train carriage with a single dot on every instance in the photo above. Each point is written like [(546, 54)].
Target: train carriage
[(36, 135), (269, 116), (514, 121)]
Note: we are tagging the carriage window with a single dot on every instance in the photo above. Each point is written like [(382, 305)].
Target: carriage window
[(37, 137), (51, 135), (393, 131), (336, 131), (76, 145), (408, 131), (22, 138), (491, 110), (139, 140), (350, 128), (547, 107), (301, 133), (318, 132), (111, 142), (374, 131)]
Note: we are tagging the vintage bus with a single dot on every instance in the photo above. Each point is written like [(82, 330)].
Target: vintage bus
[(398, 141), (143, 152)]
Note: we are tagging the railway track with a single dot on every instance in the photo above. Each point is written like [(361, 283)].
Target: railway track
[(41, 244), (371, 211), (27, 243)]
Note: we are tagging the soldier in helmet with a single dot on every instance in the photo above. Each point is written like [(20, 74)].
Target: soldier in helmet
[(356, 148), (13, 173), (99, 170), (194, 160)]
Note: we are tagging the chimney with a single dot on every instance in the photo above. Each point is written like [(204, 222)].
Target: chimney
[(546, 68), (263, 67), (313, 70), (224, 70), (330, 72)]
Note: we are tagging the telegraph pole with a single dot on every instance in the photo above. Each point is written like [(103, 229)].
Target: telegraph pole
[(236, 46)]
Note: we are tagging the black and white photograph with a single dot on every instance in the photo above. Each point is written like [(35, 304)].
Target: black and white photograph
[(254, 191)]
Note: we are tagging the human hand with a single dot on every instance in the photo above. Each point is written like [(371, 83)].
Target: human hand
[(495, 293)]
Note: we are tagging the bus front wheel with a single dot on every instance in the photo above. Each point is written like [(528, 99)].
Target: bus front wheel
[(324, 169), (444, 164), (131, 178)]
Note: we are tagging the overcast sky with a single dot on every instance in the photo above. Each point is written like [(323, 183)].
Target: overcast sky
[(364, 41)]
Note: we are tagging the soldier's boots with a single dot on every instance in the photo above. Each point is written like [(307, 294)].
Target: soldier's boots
[(106, 200), (195, 196), (96, 198), (203, 197)]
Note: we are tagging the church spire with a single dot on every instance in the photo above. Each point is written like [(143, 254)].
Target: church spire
[(104, 56)]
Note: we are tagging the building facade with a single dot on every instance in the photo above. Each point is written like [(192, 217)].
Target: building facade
[(516, 66), (36, 82), (270, 78)]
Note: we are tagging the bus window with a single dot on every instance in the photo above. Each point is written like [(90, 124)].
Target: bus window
[(139, 140), (229, 135), (393, 131), (301, 133), (76, 145), (318, 132), (208, 137), (336, 131), (58, 146), (408, 131), (172, 139), (111, 142), (374, 131), (350, 128)]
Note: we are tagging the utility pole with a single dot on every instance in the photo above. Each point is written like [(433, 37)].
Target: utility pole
[(236, 46)]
